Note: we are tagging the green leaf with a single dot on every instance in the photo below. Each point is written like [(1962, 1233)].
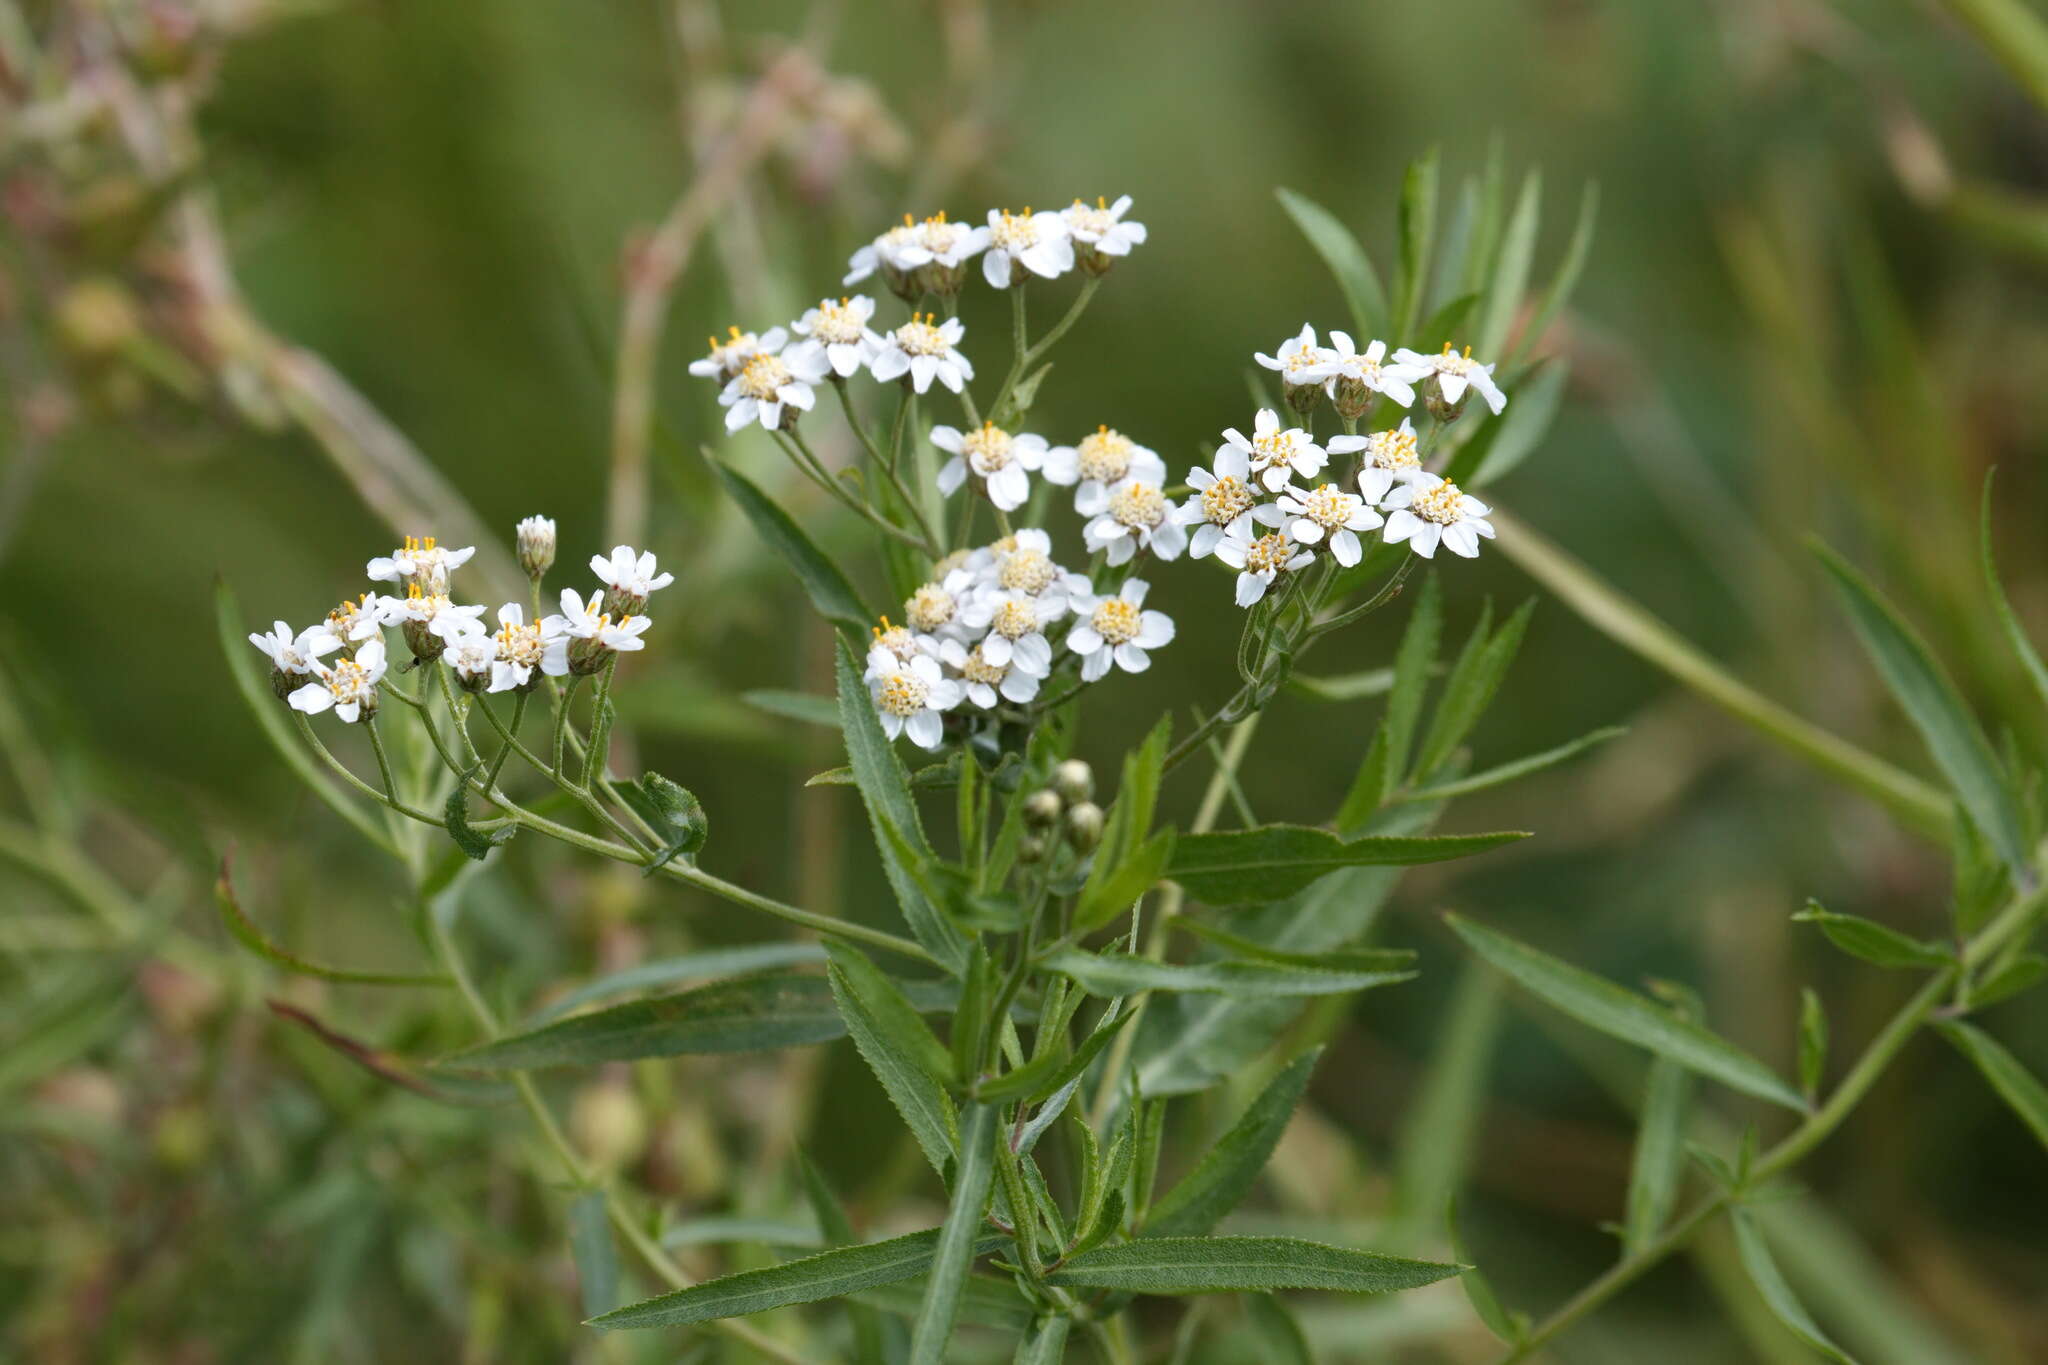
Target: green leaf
[(883, 1001), (1930, 699), (1510, 270), (1125, 863), (1505, 441), (826, 586), (885, 791), (1332, 960), (2012, 1081), (869, 1345), (1981, 881), (1469, 689), (2021, 974), (1445, 323), (1253, 866), (1345, 687), (1479, 1290), (595, 1254), (1281, 1340), (1347, 260), (1510, 772), (1046, 1342), (2015, 633), (1206, 1265), (1600, 1004), (1117, 974), (1436, 1130), (827, 1275), (1813, 1043), (1658, 1164), (455, 817), (678, 812), (1414, 662), (1138, 872), (960, 1237), (708, 965), (244, 931), (1418, 234), (1873, 942), (1777, 1295), (1045, 1075), (801, 706), (1567, 277), (922, 1102), (1229, 1167)]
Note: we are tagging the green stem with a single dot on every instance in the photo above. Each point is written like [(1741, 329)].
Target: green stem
[(510, 733), (383, 759), (886, 464), (343, 771)]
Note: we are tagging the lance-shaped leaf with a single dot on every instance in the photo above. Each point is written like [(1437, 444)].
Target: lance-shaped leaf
[(2015, 633), (1046, 1342), (885, 1002), (956, 1249), (678, 816), (1936, 709), (1228, 1169), (1126, 862), (1114, 974), (708, 965), (1356, 279), (827, 587), (1621, 1013), (1207, 1265), (2026, 1095), (1272, 862), (829, 1274), (1469, 689), (1873, 942), (245, 932), (1510, 772), (922, 1101), (1659, 1159), (1777, 1295), (596, 1256)]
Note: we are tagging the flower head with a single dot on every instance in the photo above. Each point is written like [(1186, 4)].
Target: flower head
[(935, 607), (353, 622), (1015, 623), (1329, 512), (923, 349), (1356, 376), (1387, 457), (629, 579), (526, 650), (472, 658), (536, 545), (950, 246), (993, 455), (905, 643), (1103, 457), (728, 355), (776, 376), (422, 561), (1115, 628), (1135, 516), (909, 697), (593, 634), (1427, 510), (430, 620), (983, 681), (1100, 232), (1025, 565), (1037, 241), (841, 327), (1262, 560), (1275, 453), (1453, 371), (347, 686), (293, 657), (1299, 360), (896, 253)]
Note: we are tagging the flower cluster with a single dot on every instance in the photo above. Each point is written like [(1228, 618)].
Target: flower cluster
[(988, 629), (580, 640)]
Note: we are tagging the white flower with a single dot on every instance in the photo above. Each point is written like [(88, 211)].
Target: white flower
[(1328, 510), (521, 647), (1223, 503), (935, 607), (895, 253), (905, 643), (727, 357), (430, 621), (1103, 457), (910, 696), (535, 541), (1428, 509), (1023, 563), (1113, 628), (1364, 370), (998, 458), (348, 685), (581, 620), (774, 378), (949, 246), (422, 561), (474, 657), (1135, 516), (293, 654), (1453, 372), (1016, 627), (841, 327), (1300, 361), (1260, 561), (982, 680), (1036, 241), (1389, 456), (1101, 228), (360, 620), (629, 579), (924, 349), (1276, 453)]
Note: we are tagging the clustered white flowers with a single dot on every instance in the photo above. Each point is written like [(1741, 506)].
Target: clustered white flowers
[(578, 641)]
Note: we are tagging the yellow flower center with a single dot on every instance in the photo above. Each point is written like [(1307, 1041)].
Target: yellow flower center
[(1094, 221), (1104, 456), (979, 670), (1014, 231), (1393, 450), (1116, 621), (520, 646), (1014, 620), (349, 681), (731, 353), (1329, 506), (1225, 500), (763, 375), (1275, 447), (1138, 505), (1450, 362), (920, 336), (939, 236), (1269, 554), (837, 324), (930, 607), (987, 448), (1026, 571), (1440, 504), (903, 693), (896, 639)]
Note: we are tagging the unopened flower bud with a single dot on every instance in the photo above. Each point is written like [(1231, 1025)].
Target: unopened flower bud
[(936, 278), (1042, 808), (97, 319), (1074, 781), (1433, 399), (536, 545), (419, 635), (1094, 260), (588, 655), (1352, 399), (1031, 849), (1302, 398), (1084, 826)]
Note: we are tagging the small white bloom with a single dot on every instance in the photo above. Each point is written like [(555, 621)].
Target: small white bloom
[(1389, 456), (776, 375), (1001, 460), (474, 657), (983, 681), (431, 621), (934, 609), (1102, 228), (1103, 457), (1016, 624), (522, 648), (1224, 502), (1275, 453), (1328, 510), (905, 643), (1427, 510), (1114, 628), (949, 246), (728, 356), (593, 634), (360, 620), (1365, 370), (1135, 516), (924, 349), (629, 579), (1023, 563), (1037, 241), (535, 541), (1300, 361), (349, 686), (895, 253), (421, 561), (841, 327), (294, 654), (1453, 373), (1259, 562), (910, 696)]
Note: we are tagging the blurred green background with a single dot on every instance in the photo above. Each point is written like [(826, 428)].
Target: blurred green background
[(1789, 323)]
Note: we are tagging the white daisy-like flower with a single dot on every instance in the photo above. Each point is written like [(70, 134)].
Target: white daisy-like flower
[(1103, 457), (983, 681), (1115, 629), (629, 579), (524, 649), (1364, 370), (1259, 562), (1000, 460), (1453, 372), (1037, 241), (354, 622), (1427, 510), (1101, 231), (909, 697), (776, 376), (1224, 502), (895, 253), (728, 356), (292, 655), (473, 658), (924, 349), (905, 643), (1277, 454), (348, 686), (431, 621), (841, 327), (1388, 457), (1016, 625), (934, 609), (594, 635), (422, 561), (535, 543), (1330, 511), (1300, 360), (950, 247), (1023, 563), (1135, 516)]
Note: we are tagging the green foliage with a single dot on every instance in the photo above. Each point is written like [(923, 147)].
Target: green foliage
[(1358, 281), (1208, 1265), (2014, 1084), (1873, 942), (823, 581), (596, 1257), (1273, 862), (475, 844), (1770, 1283), (1126, 862), (959, 1239), (676, 812), (922, 1101), (246, 933), (1220, 1182)]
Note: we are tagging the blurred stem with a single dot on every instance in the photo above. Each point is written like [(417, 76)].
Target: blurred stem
[(1917, 805), (2015, 36), (806, 459)]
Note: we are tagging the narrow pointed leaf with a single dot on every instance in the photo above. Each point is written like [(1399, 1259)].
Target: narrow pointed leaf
[(823, 582), (1509, 439), (2015, 633), (710, 964), (1567, 277), (596, 1256), (1046, 1342), (1418, 235), (244, 931), (1252, 866), (922, 1102), (1205, 1265), (1469, 689), (1510, 271), (1335, 960), (959, 1239), (1281, 1340), (884, 1001), (1229, 1168), (1873, 942), (1777, 1295), (1341, 252), (1439, 1124), (1117, 974), (2013, 1082), (1511, 772), (1658, 1164)]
